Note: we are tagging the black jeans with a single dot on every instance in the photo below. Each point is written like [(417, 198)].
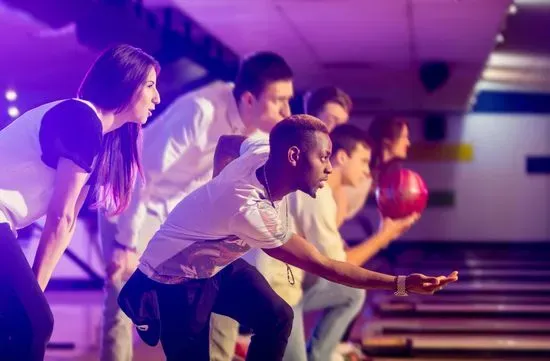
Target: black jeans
[(26, 321), (238, 291)]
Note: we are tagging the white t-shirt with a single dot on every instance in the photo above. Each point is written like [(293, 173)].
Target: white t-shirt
[(315, 219), (217, 224), (356, 197), (30, 148)]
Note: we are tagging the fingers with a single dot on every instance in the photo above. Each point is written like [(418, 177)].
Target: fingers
[(430, 285), (431, 280), (453, 274), (114, 271), (414, 217), (117, 275), (437, 283), (453, 277), (409, 221)]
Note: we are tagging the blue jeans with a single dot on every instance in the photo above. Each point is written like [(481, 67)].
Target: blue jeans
[(341, 304)]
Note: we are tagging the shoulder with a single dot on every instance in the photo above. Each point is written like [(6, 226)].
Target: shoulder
[(75, 107), (73, 115), (323, 203), (71, 129)]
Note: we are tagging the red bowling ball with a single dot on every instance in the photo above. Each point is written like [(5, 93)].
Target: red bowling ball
[(401, 193)]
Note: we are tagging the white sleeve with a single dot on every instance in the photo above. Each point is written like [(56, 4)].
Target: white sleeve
[(260, 226), (182, 128), (257, 143), (317, 223)]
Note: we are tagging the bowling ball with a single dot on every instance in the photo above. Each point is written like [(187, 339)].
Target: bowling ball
[(400, 193)]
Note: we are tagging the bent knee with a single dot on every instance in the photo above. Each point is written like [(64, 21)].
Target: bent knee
[(279, 318), (286, 313), (43, 327)]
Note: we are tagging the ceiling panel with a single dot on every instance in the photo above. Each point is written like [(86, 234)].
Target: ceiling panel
[(457, 31), (352, 31), (244, 26), (371, 48)]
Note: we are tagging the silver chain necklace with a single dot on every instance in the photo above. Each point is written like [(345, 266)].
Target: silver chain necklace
[(289, 274)]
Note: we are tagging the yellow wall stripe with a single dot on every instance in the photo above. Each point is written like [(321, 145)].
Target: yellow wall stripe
[(441, 152)]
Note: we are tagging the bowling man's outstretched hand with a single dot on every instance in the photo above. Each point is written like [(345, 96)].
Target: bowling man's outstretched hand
[(419, 283)]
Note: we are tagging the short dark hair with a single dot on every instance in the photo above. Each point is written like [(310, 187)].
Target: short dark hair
[(346, 137), (315, 100), (116, 75), (258, 70), (296, 130)]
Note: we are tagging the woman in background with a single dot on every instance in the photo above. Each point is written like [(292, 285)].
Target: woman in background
[(390, 144)]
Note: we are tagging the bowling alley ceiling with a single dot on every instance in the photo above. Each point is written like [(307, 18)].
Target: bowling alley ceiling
[(371, 48)]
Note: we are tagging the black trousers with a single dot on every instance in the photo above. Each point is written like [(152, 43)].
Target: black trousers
[(238, 291), (26, 321)]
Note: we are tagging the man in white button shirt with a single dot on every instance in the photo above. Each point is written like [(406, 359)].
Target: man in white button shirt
[(178, 150)]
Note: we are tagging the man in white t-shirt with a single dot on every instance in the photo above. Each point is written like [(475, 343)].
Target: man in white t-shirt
[(332, 106), (192, 266), (178, 150)]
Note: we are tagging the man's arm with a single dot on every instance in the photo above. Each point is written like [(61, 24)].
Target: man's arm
[(389, 230), (363, 252), (317, 222), (227, 150), (300, 253)]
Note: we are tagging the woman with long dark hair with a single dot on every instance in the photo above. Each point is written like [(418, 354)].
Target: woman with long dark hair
[(389, 140), (50, 156), (390, 143)]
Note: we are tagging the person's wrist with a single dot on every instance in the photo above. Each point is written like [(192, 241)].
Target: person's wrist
[(401, 286)]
